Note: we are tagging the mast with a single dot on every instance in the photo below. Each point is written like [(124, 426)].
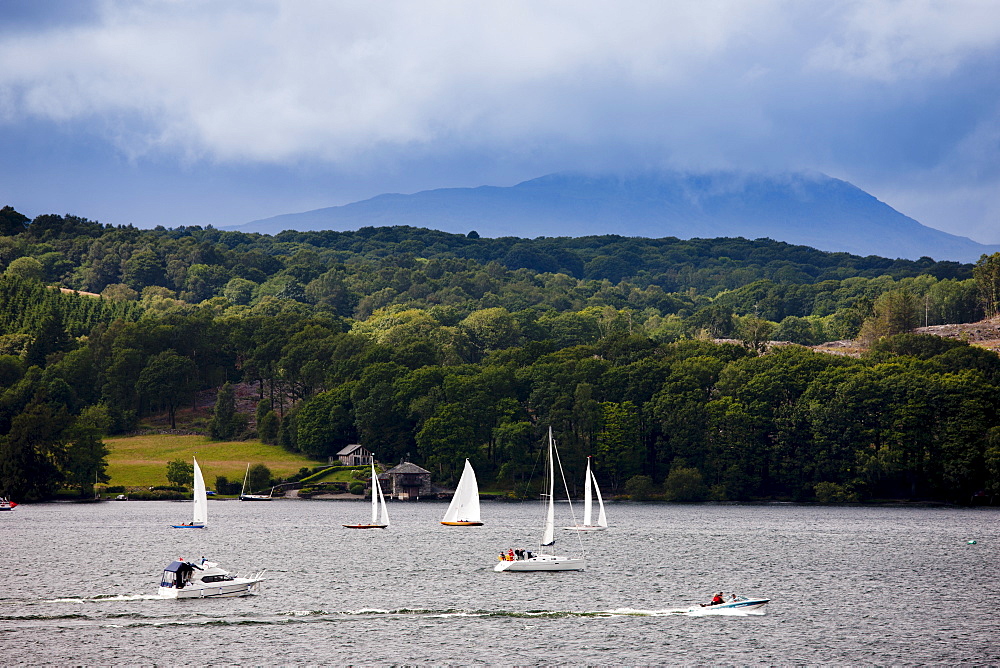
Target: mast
[(245, 478)]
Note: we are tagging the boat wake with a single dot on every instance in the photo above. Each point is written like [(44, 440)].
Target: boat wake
[(213, 617), (105, 598), (618, 612)]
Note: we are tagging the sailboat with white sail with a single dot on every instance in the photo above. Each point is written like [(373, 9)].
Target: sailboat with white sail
[(252, 497), (590, 489), (200, 514), (463, 511), (380, 513), (546, 562)]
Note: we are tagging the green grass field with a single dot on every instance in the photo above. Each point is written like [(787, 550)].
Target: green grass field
[(141, 461)]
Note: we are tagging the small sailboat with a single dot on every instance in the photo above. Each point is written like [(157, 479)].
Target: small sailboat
[(590, 483), (545, 562), (200, 518), (252, 497), (205, 579), (463, 511), (380, 514)]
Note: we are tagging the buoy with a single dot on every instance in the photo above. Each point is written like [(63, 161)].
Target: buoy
[(971, 542)]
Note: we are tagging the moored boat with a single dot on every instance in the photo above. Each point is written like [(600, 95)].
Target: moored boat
[(252, 497)]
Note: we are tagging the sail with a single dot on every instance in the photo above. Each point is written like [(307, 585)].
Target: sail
[(548, 535), (381, 500), (375, 493), (602, 519), (588, 497), (246, 477), (464, 506), (200, 496)]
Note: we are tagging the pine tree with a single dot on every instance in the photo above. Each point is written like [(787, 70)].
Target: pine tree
[(224, 419)]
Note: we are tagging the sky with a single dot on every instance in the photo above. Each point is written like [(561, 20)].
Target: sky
[(219, 112)]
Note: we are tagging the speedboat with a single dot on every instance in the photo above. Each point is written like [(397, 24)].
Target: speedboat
[(204, 579), (6, 504), (736, 602)]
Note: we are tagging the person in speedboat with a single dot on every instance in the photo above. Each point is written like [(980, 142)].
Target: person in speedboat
[(716, 600)]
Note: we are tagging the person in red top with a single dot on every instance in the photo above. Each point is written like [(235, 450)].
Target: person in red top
[(716, 600)]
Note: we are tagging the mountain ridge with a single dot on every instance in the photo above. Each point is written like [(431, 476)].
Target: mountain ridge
[(804, 208)]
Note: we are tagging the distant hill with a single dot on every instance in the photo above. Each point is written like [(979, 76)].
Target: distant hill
[(808, 209)]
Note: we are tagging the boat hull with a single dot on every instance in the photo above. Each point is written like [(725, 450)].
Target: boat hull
[(741, 605), (462, 524), (541, 562), (229, 589), (188, 526), (750, 604), (585, 527), (365, 526)]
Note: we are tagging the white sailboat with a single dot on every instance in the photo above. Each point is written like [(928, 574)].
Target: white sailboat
[(200, 515), (251, 497), (590, 483), (463, 511), (380, 520), (546, 562)]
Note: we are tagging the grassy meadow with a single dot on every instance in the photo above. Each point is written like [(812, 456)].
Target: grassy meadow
[(141, 461)]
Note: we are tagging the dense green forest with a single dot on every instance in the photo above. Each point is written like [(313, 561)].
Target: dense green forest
[(436, 347)]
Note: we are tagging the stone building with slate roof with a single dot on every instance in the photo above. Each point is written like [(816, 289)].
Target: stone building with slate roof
[(409, 481)]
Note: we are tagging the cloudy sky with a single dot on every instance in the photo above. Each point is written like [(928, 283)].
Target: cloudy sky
[(184, 112)]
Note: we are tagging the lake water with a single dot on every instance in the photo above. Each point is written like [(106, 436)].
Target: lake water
[(848, 585)]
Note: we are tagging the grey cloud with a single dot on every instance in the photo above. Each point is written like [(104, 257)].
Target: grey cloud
[(523, 84)]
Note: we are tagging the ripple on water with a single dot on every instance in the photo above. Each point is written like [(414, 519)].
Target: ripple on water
[(848, 585)]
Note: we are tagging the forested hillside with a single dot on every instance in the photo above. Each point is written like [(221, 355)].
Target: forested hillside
[(438, 347)]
